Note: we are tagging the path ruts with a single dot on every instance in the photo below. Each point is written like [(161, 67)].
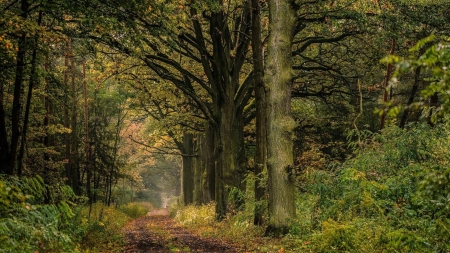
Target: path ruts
[(157, 232)]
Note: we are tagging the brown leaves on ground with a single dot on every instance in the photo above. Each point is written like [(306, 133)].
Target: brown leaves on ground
[(157, 232)]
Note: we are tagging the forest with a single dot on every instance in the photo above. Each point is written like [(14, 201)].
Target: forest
[(267, 125)]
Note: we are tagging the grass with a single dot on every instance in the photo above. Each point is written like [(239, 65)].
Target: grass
[(103, 228), (237, 229)]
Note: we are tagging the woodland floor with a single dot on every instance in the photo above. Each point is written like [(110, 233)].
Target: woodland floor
[(157, 232)]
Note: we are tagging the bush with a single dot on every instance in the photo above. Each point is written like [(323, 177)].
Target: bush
[(136, 209), (392, 196), (36, 217), (103, 228)]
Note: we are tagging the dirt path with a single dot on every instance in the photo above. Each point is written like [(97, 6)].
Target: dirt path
[(157, 232)]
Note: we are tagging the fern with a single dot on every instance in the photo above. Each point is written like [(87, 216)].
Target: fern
[(36, 216)]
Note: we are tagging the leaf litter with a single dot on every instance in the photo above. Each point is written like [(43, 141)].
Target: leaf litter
[(157, 232)]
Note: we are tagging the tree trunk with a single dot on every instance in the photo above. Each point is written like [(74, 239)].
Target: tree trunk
[(386, 84), (434, 103), (111, 169), (31, 84), (68, 173), (46, 124), (17, 99), (210, 168), (261, 115), (74, 168), (411, 97), (4, 145), (281, 125), (204, 171), (188, 172), (199, 169), (219, 191), (86, 136), (229, 158)]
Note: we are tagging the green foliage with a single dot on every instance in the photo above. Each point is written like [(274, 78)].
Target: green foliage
[(194, 215), (103, 225), (102, 229), (135, 209), (434, 59), (392, 196), (36, 217)]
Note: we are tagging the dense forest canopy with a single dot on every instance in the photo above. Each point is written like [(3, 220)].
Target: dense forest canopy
[(322, 119)]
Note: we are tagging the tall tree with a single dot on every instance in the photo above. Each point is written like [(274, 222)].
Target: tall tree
[(278, 77), (261, 115), (213, 37)]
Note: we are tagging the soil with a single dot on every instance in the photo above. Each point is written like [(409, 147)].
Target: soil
[(157, 232)]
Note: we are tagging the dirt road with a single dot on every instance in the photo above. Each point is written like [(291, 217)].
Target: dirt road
[(157, 232)]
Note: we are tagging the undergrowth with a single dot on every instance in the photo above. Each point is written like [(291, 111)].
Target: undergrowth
[(36, 217), (104, 225), (392, 195)]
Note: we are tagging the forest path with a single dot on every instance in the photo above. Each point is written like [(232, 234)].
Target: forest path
[(157, 232)]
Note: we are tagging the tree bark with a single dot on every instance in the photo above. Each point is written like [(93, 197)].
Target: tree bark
[(46, 123), (75, 171), (4, 145), (31, 84), (86, 136), (281, 125), (67, 157), (208, 177), (188, 172), (17, 99), (261, 116), (199, 167)]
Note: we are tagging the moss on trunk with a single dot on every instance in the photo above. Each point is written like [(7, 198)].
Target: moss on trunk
[(278, 78)]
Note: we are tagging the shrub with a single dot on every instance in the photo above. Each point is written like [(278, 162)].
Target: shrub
[(36, 217), (103, 228), (136, 209), (391, 196)]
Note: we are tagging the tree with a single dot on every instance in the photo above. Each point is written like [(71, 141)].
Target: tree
[(278, 77), (212, 37), (261, 114)]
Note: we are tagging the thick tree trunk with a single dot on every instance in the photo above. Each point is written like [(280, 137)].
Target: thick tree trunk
[(208, 170), (219, 192), (232, 139), (188, 169), (261, 115), (229, 156), (199, 168), (204, 171), (278, 77), (209, 176)]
